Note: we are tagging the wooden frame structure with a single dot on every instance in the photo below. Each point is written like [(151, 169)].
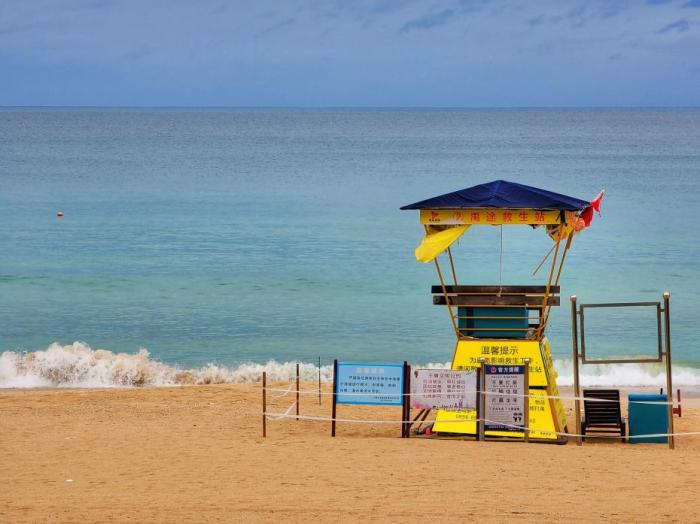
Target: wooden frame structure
[(537, 298), (504, 324), (663, 351)]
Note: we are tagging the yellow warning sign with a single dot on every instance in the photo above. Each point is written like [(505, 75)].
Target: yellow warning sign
[(504, 352), (541, 420), (547, 415), (548, 362), (553, 390), (558, 406)]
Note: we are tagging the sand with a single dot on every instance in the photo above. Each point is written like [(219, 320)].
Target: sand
[(196, 454)]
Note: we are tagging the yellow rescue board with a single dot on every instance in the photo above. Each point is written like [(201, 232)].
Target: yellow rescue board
[(553, 388), (558, 406)]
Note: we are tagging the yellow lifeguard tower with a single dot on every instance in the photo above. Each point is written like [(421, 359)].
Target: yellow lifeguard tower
[(498, 324)]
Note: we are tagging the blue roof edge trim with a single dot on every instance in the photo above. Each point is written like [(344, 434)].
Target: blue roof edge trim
[(502, 194)]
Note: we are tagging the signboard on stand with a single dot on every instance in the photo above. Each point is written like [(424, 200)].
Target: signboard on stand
[(375, 384), (546, 416), (443, 389), (505, 398), (371, 384)]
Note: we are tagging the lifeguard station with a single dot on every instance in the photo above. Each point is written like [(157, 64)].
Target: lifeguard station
[(499, 324)]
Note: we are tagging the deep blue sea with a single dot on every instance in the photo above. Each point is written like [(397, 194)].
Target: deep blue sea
[(229, 236)]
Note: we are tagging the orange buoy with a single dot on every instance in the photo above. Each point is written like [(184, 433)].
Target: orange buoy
[(59, 214)]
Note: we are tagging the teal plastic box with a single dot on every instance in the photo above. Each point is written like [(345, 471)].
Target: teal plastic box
[(647, 419), (484, 327)]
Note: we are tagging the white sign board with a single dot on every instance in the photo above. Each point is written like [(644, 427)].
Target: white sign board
[(443, 389), (505, 401)]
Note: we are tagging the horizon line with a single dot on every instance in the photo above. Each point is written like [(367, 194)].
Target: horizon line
[(348, 107)]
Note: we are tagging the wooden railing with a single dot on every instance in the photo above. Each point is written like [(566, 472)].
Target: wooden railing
[(470, 299)]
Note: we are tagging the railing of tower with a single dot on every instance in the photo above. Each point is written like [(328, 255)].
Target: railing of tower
[(546, 308), (490, 304), (447, 217), (478, 305)]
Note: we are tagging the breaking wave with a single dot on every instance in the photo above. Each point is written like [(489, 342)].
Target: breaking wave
[(77, 365)]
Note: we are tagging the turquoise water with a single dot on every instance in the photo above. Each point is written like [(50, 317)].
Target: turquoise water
[(229, 236)]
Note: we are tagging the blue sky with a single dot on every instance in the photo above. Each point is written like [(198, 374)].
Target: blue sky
[(452, 53)]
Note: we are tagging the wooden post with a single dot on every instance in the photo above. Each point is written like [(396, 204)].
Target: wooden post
[(526, 402), (452, 265), (561, 266), (574, 361), (408, 401), (297, 403), (264, 403), (669, 380), (405, 426), (403, 401), (540, 329), (481, 401), (319, 380), (447, 298), (422, 415), (676, 410), (335, 375), (567, 246)]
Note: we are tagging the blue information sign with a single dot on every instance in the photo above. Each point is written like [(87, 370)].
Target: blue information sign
[(379, 384)]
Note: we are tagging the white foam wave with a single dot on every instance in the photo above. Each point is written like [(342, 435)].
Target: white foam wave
[(651, 374), (77, 365), (637, 375)]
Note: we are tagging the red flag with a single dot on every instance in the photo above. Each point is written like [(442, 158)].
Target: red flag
[(587, 214), (595, 203)]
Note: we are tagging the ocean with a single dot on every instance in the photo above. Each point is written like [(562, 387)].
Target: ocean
[(213, 242)]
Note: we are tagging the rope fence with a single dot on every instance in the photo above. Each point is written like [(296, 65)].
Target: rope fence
[(486, 393), (286, 414), (407, 422)]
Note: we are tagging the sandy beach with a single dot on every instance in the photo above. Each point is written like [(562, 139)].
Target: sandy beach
[(196, 453), (374, 198)]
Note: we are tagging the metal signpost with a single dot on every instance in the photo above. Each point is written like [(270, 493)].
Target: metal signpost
[(663, 351)]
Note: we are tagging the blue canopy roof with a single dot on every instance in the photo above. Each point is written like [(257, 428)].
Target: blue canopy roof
[(502, 194)]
